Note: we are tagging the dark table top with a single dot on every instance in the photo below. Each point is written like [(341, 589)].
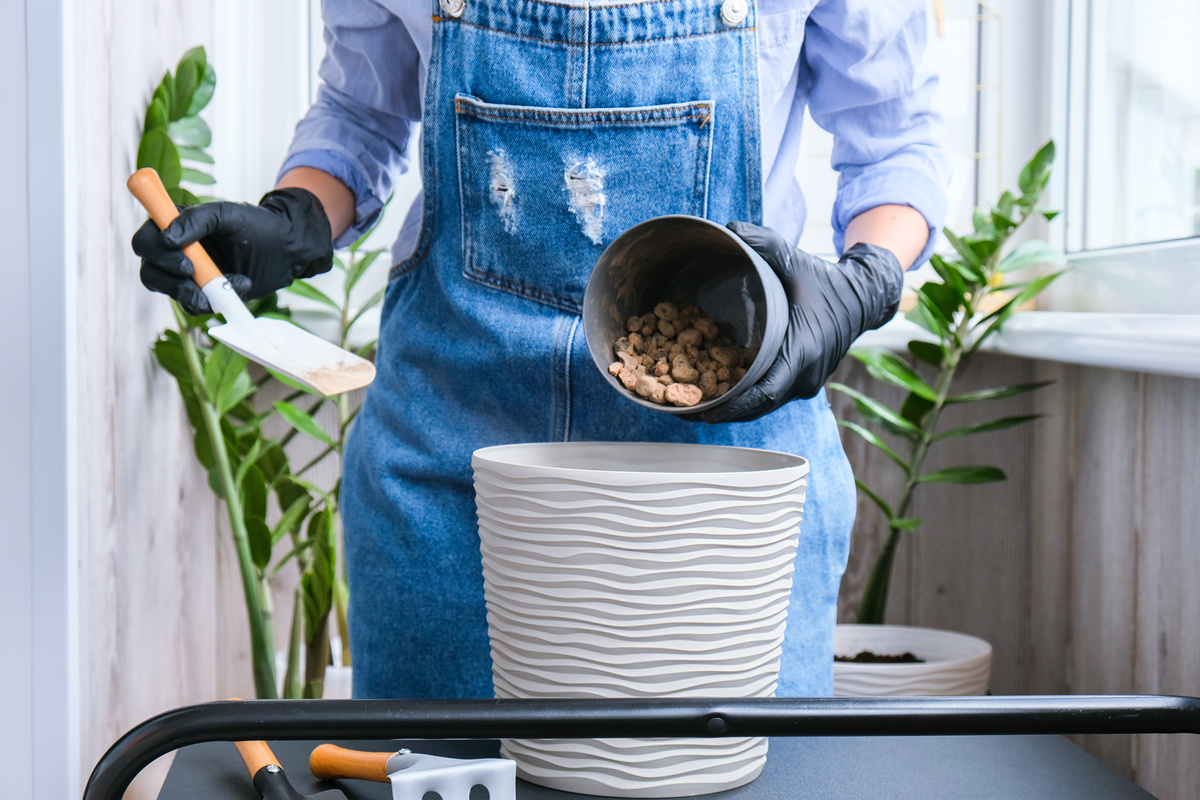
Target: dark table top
[(814, 768)]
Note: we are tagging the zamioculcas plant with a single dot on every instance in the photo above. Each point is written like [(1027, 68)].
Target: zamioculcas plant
[(222, 394), (970, 304)]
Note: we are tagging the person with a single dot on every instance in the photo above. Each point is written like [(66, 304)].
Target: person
[(548, 127)]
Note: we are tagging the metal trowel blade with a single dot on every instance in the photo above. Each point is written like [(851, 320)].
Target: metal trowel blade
[(304, 357), (286, 348)]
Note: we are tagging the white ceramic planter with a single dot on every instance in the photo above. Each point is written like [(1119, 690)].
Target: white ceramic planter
[(955, 663), (637, 570)]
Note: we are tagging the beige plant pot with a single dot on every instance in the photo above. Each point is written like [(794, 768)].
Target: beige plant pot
[(955, 663)]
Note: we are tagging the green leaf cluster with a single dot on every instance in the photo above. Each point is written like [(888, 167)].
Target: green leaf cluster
[(173, 132), (224, 397), (970, 302)]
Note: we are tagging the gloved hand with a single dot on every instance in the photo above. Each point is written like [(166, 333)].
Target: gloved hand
[(260, 248), (830, 306)]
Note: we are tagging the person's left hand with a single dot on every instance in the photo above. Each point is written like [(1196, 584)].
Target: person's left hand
[(830, 304)]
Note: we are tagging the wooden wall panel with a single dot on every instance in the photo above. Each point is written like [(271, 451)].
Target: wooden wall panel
[(149, 585), (1081, 569)]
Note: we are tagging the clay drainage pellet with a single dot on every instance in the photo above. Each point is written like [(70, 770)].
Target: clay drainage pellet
[(676, 355)]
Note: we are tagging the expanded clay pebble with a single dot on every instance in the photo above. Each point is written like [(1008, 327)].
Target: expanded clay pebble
[(676, 355)]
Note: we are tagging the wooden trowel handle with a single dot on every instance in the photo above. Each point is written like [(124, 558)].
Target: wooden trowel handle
[(329, 761), (256, 755), (148, 188)]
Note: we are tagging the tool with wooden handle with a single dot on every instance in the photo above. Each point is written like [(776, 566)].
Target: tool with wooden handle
[(274, 343), (414, 774), (269, 778)]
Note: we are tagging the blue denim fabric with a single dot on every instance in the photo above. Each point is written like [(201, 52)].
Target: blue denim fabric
[(533, 111)]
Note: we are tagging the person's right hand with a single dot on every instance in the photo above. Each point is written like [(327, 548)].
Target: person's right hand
[(261, 249)]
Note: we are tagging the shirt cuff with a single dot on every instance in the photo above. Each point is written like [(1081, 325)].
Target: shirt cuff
[(336, 161), (891, 186)]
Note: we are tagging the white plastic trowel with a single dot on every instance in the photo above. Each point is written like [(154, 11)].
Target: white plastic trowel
[(413, 774), (274, 343)]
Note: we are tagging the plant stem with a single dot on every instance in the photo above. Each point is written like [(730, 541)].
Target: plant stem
[(262, 648)]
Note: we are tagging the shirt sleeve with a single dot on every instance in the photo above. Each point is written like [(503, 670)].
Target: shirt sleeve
[(872, 90), (368, 102)]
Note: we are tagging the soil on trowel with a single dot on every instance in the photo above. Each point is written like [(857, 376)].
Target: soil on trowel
[(867, 657)]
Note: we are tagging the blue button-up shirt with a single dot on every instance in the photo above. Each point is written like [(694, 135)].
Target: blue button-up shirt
[(856, 64)]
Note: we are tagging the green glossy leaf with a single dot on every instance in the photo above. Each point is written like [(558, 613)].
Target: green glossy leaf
[(1029, 253), (949, 273), (194, 154), (196, 176), (887, 367), (915, 408), (165, 92), (157, 151), (259, 536), (254, 496), (301, 548), (183, 197), (983, 246), (359, 268), (1000, 315), (875, 441), (1048, 213), (984, 427), (965, 475), (303, 422), (875, 498), (919, 315), (904, 523), (241, 388), (1036, 173), (981, 223), (1003, 221), (317, 582), (303, 289), (204, 91), (248, 460), (874, 410), (997, 393), (928, 352), (946, 299), (168, 352), (156, 116), (291, 518), (1006, 203), (222, 371), (971, 258), (192, 131), (187, 78)]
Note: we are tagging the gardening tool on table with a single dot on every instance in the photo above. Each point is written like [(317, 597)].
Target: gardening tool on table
[(269, 779), (414, 774), (274, 343)]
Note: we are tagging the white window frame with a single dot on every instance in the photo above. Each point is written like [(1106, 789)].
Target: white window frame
[(1134, 308), (1133, 278)]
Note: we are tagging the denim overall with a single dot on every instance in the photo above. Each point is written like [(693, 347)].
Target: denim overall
[(549, 128)]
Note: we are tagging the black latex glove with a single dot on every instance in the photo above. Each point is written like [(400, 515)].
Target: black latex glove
[(830, 306), (261, 249)]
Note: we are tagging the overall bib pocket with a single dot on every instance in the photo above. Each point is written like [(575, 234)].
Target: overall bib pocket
[(544, 190)]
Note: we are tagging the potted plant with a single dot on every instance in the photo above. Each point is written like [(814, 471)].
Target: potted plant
[(227, 404), (976, 294)]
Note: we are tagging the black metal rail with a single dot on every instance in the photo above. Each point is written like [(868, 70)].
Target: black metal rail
[(559, 719)]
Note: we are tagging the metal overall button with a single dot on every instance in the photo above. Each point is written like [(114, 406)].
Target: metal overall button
[(455, 7), (733, 12)]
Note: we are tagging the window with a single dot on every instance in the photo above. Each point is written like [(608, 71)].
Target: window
[(1134, 123)]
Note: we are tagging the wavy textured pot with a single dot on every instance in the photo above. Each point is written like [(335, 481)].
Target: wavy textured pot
[(619, 570), (955, 663)]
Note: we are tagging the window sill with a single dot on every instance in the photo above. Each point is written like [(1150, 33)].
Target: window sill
[(1167, 344)]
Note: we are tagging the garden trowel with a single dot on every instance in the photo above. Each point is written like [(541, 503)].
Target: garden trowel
[(274, 343), (413, 774), (268, 777)]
